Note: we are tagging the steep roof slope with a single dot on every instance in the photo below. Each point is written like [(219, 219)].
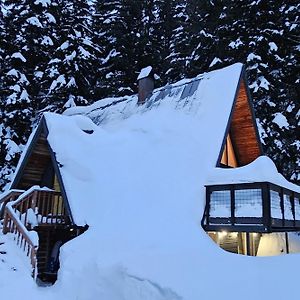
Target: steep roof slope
[(206, 95), (156, 135)]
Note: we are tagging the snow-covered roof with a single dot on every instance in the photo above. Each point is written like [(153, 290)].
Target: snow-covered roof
[(198, 108), (206, 94)]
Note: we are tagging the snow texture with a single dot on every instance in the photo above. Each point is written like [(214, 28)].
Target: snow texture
[(145, 72), (281, 120), (18, 55)]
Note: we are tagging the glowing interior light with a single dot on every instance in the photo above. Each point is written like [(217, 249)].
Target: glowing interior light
[(222, 234), (234, 234)]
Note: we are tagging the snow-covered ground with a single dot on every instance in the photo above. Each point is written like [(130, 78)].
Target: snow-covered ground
[(215, 276)]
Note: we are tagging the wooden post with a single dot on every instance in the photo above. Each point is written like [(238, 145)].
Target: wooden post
[(266, 206), (232, 204), (282, 206), (248, 250), (5, 223), (287, 243), (34, 199), (206, 218), (292, 199)]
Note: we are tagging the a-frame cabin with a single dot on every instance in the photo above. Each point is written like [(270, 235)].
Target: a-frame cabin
[(43, 210), (39, 201)]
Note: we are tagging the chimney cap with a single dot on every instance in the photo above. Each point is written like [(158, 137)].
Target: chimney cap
[(145, 72)]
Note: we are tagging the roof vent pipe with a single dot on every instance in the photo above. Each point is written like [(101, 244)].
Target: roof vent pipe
[(145, 84)]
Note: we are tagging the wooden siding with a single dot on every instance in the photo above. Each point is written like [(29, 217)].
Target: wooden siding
[(37, 165), (243, 129)]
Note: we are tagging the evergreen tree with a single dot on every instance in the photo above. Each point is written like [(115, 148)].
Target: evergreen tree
[(194, 37), (26, 40), (164, 25), (70, 73), (263, 35), (132, 35)]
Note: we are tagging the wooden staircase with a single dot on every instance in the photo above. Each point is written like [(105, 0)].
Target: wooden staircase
[(41, 212), (43, 253), (50, 240)]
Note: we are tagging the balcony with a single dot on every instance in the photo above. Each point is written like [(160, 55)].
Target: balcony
[(251, 207)]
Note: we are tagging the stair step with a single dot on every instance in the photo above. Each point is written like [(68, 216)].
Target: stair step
[(42, 259), (41, 256), (2, 252)]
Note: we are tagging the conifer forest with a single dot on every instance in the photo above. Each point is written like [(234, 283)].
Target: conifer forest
[(57, 52)]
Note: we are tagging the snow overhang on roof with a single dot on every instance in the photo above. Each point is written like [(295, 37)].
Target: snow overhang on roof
[(262, 169)]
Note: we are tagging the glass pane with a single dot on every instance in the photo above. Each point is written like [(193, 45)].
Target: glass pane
[(297, 209), (288, 212), (248, 203), (220, 204), (275, 205)]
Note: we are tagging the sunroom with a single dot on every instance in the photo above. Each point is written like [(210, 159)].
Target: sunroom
[(242, 205)]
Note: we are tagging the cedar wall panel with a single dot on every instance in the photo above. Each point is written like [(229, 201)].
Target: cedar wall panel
[(36, 165), (242, 130)]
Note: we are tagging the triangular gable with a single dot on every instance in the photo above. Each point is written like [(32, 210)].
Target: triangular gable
[(39, 166), (241, 142)]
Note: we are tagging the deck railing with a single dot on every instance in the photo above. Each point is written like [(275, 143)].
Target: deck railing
[(257, 207), (25, 239), (23, 211), (39, 206)]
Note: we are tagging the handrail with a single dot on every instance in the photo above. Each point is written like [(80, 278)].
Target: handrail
[(29, 192), (23, 237), (22, 228), (6, 197)]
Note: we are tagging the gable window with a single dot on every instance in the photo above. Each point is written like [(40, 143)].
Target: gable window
[(228, 156)]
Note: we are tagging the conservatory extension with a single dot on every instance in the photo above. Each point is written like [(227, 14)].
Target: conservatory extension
[(236, 215)]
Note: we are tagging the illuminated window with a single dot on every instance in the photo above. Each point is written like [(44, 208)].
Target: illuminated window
[(228, 156)]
